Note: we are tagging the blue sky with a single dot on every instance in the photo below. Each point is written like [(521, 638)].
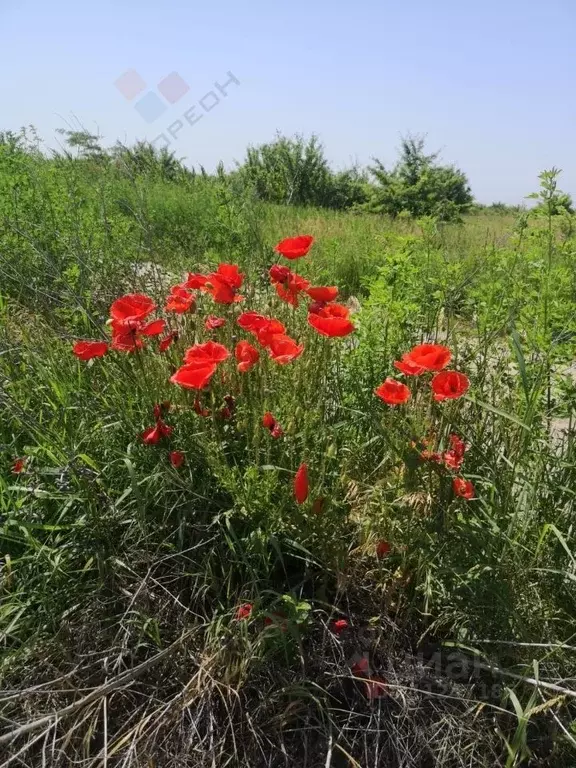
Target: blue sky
[(492, 84)]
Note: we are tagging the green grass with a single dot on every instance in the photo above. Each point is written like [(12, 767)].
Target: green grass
[(121, 575)]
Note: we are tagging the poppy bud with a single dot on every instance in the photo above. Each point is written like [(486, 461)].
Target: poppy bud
[(332, 450)]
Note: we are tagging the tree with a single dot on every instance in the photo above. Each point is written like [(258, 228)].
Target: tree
[(295, 171), (419, 185)]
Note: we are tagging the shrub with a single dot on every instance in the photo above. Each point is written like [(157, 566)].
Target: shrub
[(419, 186)]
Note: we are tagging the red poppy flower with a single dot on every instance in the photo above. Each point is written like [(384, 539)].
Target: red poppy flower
[(194, 281), (195, 376), (18, 466), (276, 431), (225, 413), (301, 484), (155, 328), (270, 423), (463, 488), (454, 458), (295, 247), (153, 435), (86, 350), (322, 293), (244, 611), (167, 341), (209, 352), (318, 506), (212, 322), (407, 367), (180, 301), (316, 307), (131, 307), (199, 409), (361, 668), (376, 688), (252, 321), (289, 290), (246, 355), (283, 349), (383, 549), (449, 385), (279, 273), (176, 458), (430, 357), (332, 320), (272, 328), (339, 626), (125, 341), (223, 284), (393, 392)]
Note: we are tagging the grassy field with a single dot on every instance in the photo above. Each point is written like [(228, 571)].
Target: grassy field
[(173, 590)]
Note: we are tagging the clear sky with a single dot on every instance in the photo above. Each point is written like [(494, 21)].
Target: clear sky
[(492, 83)]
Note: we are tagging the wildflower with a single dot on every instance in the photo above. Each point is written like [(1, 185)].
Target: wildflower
[(212, 322), (279, 273), (267, 332), (407, 367), (154, 328), (176, 458), (429, 357), (180, 301), (295, 247), (270, 423), (195, 376), (301, 484), (383, 549), (454, 458), (331, 320), (194, 281), (130, 310), (209, 352), (323, 294), (393, 392), (264, 328), (339, 626), (449, 385), (153, 435), (463, 488), (289, 290), (244, 611), (86, 350), (224, 284), (283, 349), (246, 355), (167, 341), (18, 466), (128, 314), (127, 341)]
